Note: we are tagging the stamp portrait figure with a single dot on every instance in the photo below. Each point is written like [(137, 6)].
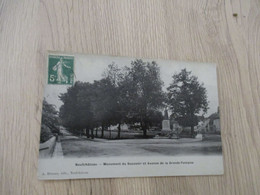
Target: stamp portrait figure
[(59, 68)]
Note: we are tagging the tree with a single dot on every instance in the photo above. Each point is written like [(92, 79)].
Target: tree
[(50, 122), (155, 118), (115, 76), (104, 103), (76, 112), (142, 92), (87, 106), (187, 97)]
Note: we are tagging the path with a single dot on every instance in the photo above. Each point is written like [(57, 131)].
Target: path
[(57, 153)]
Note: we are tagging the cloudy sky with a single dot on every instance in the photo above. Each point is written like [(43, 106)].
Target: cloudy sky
[(88, 68)]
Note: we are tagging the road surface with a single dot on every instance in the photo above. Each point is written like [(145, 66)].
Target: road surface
[(74, 146)]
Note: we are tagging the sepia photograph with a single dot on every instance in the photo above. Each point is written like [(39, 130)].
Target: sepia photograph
[(97, 107)]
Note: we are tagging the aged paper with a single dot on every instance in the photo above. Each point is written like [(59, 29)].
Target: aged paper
[(107, 116)]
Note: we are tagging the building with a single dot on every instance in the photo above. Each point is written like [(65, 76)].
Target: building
[(212, 124)]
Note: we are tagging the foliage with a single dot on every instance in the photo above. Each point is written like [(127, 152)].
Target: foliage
[(87, 106), (142, 92), (114, 98), (77, 109), (50, 122), (130, 95), (187, 97), (105, 103)]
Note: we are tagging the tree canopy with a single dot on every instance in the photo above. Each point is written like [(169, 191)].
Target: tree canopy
[(142, 92), (129, 95), (186, 98), (132, 95), (77, 109), (50, 121)]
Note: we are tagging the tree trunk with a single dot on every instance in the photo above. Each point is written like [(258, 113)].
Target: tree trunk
[(102, 133), (87, 132), (144, 126), (145, 132), (119, 130), (192, 130), (92, 133), (96, 132)]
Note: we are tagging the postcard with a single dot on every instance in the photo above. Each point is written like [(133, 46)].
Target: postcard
[(108, 116)]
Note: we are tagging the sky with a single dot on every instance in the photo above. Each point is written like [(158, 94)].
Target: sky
[(88, 68)]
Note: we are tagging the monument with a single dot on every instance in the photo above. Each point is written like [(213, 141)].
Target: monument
[(166, 122)]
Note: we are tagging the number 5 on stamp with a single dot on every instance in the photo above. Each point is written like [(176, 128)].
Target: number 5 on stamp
[(60, 70)]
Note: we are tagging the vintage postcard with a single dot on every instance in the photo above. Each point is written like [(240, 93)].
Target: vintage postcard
[(107, 116)]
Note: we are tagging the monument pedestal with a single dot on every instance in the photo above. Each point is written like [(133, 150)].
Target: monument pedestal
[(166, 127)]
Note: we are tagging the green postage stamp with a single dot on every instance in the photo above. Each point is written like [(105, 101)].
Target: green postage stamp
[(60, 69)]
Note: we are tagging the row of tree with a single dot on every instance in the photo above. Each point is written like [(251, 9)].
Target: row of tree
[(131, 95)]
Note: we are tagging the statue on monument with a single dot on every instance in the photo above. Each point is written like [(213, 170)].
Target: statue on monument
[(166, 117)]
